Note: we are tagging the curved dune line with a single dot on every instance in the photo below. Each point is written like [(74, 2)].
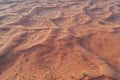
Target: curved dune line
[(105, 68)]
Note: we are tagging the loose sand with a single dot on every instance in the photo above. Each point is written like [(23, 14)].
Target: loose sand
[(59, 39)]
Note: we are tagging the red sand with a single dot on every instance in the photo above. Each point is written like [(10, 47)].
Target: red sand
[(60, 40)]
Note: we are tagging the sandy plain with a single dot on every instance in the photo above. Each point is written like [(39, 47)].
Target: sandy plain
[(59, 39)]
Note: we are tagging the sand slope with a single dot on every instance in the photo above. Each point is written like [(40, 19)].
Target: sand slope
[(60, 40)]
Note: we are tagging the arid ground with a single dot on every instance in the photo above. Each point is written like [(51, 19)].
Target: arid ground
[(59, 39)]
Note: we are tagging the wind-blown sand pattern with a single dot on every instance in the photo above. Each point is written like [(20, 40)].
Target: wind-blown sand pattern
[(59, 39)]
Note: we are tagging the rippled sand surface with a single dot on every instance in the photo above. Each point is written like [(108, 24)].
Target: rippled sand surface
[(59, 39)]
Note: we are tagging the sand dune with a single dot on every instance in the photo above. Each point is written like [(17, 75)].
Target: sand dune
[(60, 40)]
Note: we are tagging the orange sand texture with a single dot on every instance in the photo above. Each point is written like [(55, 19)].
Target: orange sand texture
[(59, 39)]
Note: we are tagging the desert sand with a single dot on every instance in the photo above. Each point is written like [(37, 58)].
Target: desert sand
[(59, 39)]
